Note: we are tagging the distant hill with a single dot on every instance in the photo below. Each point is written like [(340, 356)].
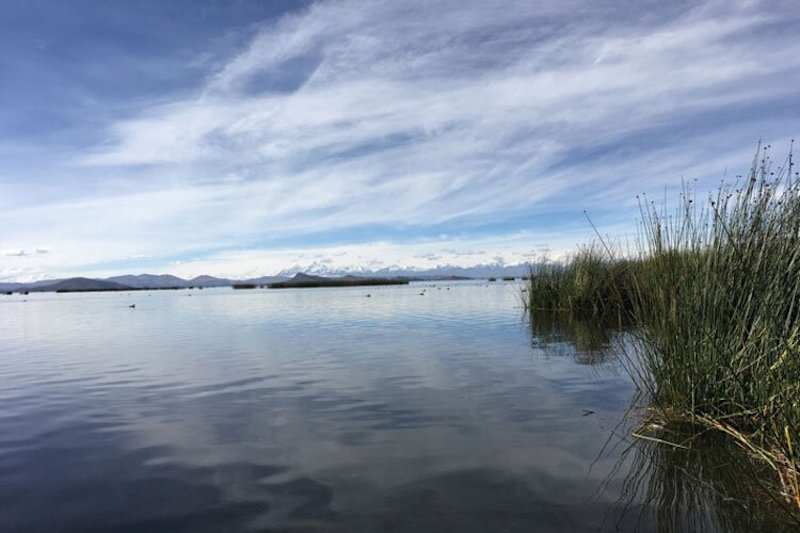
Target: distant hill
[(5, 287), (168, 281), (127, 282), (302, 277), (149, 281), (81, 285), (210, 281)]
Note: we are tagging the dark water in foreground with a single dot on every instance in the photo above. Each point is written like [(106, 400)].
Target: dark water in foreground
[(324, 410)]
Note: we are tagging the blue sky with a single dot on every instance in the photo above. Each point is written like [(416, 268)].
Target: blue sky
[(243, 138)]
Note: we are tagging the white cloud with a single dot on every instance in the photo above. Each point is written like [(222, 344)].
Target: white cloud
[(428, 256)]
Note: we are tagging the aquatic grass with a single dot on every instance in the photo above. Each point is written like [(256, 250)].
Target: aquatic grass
[(717, 299), (713, 292), (592, 282)]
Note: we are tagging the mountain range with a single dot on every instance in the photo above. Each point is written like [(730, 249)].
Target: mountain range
[(485, 270), (167, 281), (129, 282)]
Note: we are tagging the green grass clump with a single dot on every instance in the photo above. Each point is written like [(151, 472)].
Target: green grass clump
[(590, 283), (714, 295)]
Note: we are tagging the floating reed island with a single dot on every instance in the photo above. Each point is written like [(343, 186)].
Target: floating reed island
[(711, 290), (301, 280)]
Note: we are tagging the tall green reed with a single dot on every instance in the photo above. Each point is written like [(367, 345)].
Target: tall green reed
[(590, 283), (713, 291)]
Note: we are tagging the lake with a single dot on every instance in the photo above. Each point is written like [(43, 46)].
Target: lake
[(427, 407)]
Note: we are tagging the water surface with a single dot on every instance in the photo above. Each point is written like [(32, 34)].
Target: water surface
[(428, 407)]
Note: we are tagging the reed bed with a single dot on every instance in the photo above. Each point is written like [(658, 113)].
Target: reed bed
[(592, 283), (713, 291)]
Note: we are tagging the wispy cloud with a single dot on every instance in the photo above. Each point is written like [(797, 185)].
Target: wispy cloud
[(350, 123)]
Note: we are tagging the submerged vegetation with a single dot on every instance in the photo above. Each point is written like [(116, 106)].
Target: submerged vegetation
[(712, 290), (714, 487)]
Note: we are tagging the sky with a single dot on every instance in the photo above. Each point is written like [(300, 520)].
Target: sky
[(245, 138)]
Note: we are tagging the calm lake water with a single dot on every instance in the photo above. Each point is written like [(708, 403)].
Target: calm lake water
[(325, 410)]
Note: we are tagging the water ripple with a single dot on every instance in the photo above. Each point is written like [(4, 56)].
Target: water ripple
[(296, 410)]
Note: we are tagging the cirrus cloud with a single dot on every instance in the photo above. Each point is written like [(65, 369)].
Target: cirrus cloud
[(350, 123)]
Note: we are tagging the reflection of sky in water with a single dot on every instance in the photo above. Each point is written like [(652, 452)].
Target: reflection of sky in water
[(313, 408)]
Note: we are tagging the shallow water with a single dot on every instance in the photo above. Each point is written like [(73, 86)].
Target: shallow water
[(312, 410)]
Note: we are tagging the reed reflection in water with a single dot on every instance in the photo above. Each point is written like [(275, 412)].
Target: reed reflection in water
[(587, 341), (676, 477), (711, 484)]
